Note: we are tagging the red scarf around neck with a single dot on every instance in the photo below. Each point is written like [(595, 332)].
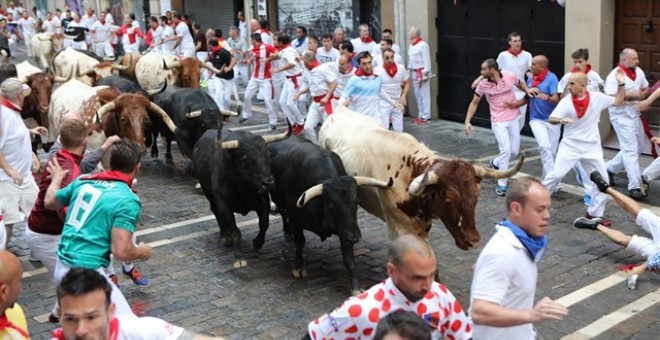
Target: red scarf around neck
[(10, 105), (586, 70), (581, 105), (6, 324), (510, 50), (391, 69), (312, 64), (417, 41), (265, 30), (366, 40), (539, 78), (361, 73), (111, 175), (632, 74), (350, 70)]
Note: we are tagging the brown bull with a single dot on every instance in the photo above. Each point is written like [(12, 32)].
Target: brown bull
[(129, 61), (36, 104), (189, 71)]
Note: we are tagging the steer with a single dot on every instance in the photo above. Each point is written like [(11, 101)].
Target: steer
[(45, 46), (426, 187), (234, 173), (105, 110), (87, 69), (192, 110), (153, 69), (313, 192), (129, 60)]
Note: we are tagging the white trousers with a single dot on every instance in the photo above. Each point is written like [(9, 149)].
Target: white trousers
[(220, 90), (278, 84), (43, 247), (590, 157), (422, 96), (80, 45), (547, 138), (183, 54), (391, 114), (288, 105), (242, 72), (523, 109), (645, 246), (27, 39), (630, 133), (507, 135), (315, 115), (133, 48), (103, 49), (653, 170), (122, 306), (265, 86)]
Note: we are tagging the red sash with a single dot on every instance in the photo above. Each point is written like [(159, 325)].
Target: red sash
[(5, 323), (581, 105), (538, 79), (632, 74), (328, 104), (391, 69), (510, 50), (649, 135), (294, 79)]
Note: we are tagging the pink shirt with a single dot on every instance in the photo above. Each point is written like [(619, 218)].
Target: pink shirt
[(498, 94)]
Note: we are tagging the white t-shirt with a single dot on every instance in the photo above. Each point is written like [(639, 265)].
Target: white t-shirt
[(505, 275), (324, 56), (157, 35), (393, 85), (584, 129), (166, 47), (378, 60), (14, 143), (109, 18), (517, 65), (102, 30), (52, 26), (288, 56), (612, 85), (27, 25), (342, 78), (594, 82), (187, 43), (359, 46), (88, 21), (318, 79)]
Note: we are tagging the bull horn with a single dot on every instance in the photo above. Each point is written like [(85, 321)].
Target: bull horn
[(86, 73), (497, 174), (108, 107), (158, 91), (161, 113), (420, 183), (210, 67), (282, 136), (372, 182), (229, 113), (59, 79), (309, 194), (174, 64), (119, 67), (193, 114), (228, 145), (48, 39)]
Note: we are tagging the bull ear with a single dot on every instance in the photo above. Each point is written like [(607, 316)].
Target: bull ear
[(309, 194)]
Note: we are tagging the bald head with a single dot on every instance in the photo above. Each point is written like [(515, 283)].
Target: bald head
[(70, 116), (541, 60), (10, 280), (629, 58), (254, 25), (406, 244), (10, 266), (579, 78)]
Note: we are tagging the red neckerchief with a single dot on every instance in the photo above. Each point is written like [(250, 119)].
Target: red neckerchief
[(366, 40), (5, 323), (349, 70), (265, 30), (361, 73), (11, 105), (510, 50), (111, 175), (313, 64), (114, 331), (391, 69), (629, 73), (102, 22), (586, 70), (215, 49), (539, 78), (417, 41), (581, 105)]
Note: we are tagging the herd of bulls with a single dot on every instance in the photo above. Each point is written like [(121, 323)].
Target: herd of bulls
[(314, 187)]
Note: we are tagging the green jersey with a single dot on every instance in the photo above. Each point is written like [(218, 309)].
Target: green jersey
[(95, 207)]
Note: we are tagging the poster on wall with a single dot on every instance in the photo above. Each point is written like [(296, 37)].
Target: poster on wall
[(121, 8), (318, 16), (262, 8)]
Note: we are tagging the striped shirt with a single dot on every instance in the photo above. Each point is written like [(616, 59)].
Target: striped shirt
[(262, 67)]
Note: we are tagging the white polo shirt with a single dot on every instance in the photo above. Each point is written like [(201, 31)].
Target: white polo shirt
[(101, 30), (187, 43), (517, 65), (392, 86), (505, 275), (14, 143), (612, 86), (359, 46)]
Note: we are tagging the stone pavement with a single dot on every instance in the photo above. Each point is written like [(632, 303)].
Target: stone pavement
[(193, 282)]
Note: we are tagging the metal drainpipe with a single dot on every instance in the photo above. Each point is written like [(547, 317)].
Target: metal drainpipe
[(401, 30)]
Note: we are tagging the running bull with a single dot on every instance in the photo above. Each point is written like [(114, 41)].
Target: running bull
[(87, 69), (425, 188), (153, 69), (313, 192), (234, 173)]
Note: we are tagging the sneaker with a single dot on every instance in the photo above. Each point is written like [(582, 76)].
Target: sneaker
[(33, 258), (610, 176), (500, 190), (419, 120), (136, 276), (239, 109), (491, 163), (558, 188), (602, 220), (242, 120), (272, 126), (600, 181), (644, 185), (586, 223), (632, 281), (52, 318), (114, 279), (587, 200), (636, 194)]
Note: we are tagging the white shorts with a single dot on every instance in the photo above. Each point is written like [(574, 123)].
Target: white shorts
[(645, 246), (43, 247), (17, 201)]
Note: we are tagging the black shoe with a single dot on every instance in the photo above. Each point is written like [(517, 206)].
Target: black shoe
[(636, 194), (600, 181), (242, 120), (610, 176), (272, 126), (53, 319), (239, 109), (586, 223)]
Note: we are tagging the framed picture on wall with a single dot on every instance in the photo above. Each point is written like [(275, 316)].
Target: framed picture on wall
[(318, 16)]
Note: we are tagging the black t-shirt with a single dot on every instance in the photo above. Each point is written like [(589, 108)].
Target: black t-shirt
[(220, 59), (77, 31), (65, 22)]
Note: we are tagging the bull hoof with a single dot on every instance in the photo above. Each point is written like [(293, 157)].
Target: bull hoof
[(288, 237), (240, 264), (226, 240), (299, 273), (198, 186), (257, 244), (168, 160), (154, 155)]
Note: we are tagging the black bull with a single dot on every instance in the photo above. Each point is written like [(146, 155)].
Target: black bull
[(313, 192), (234, 174)]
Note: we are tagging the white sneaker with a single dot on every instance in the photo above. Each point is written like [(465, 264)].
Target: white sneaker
[(632, 281)]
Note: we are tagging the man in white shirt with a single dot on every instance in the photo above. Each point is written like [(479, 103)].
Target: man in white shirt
[(52, 25), (101, 32), (168, 38), (290, 68), (75, 34), (28, 28), (242, 26), (320, 82), (184, 38), (345, 71), (517, 61), (364, 42), (505, 276), (301, 42), (625, 119), (88, 19), (387, 34), (327, 53), (378, 58), (419, 63), (395, 84), (238, 48)]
